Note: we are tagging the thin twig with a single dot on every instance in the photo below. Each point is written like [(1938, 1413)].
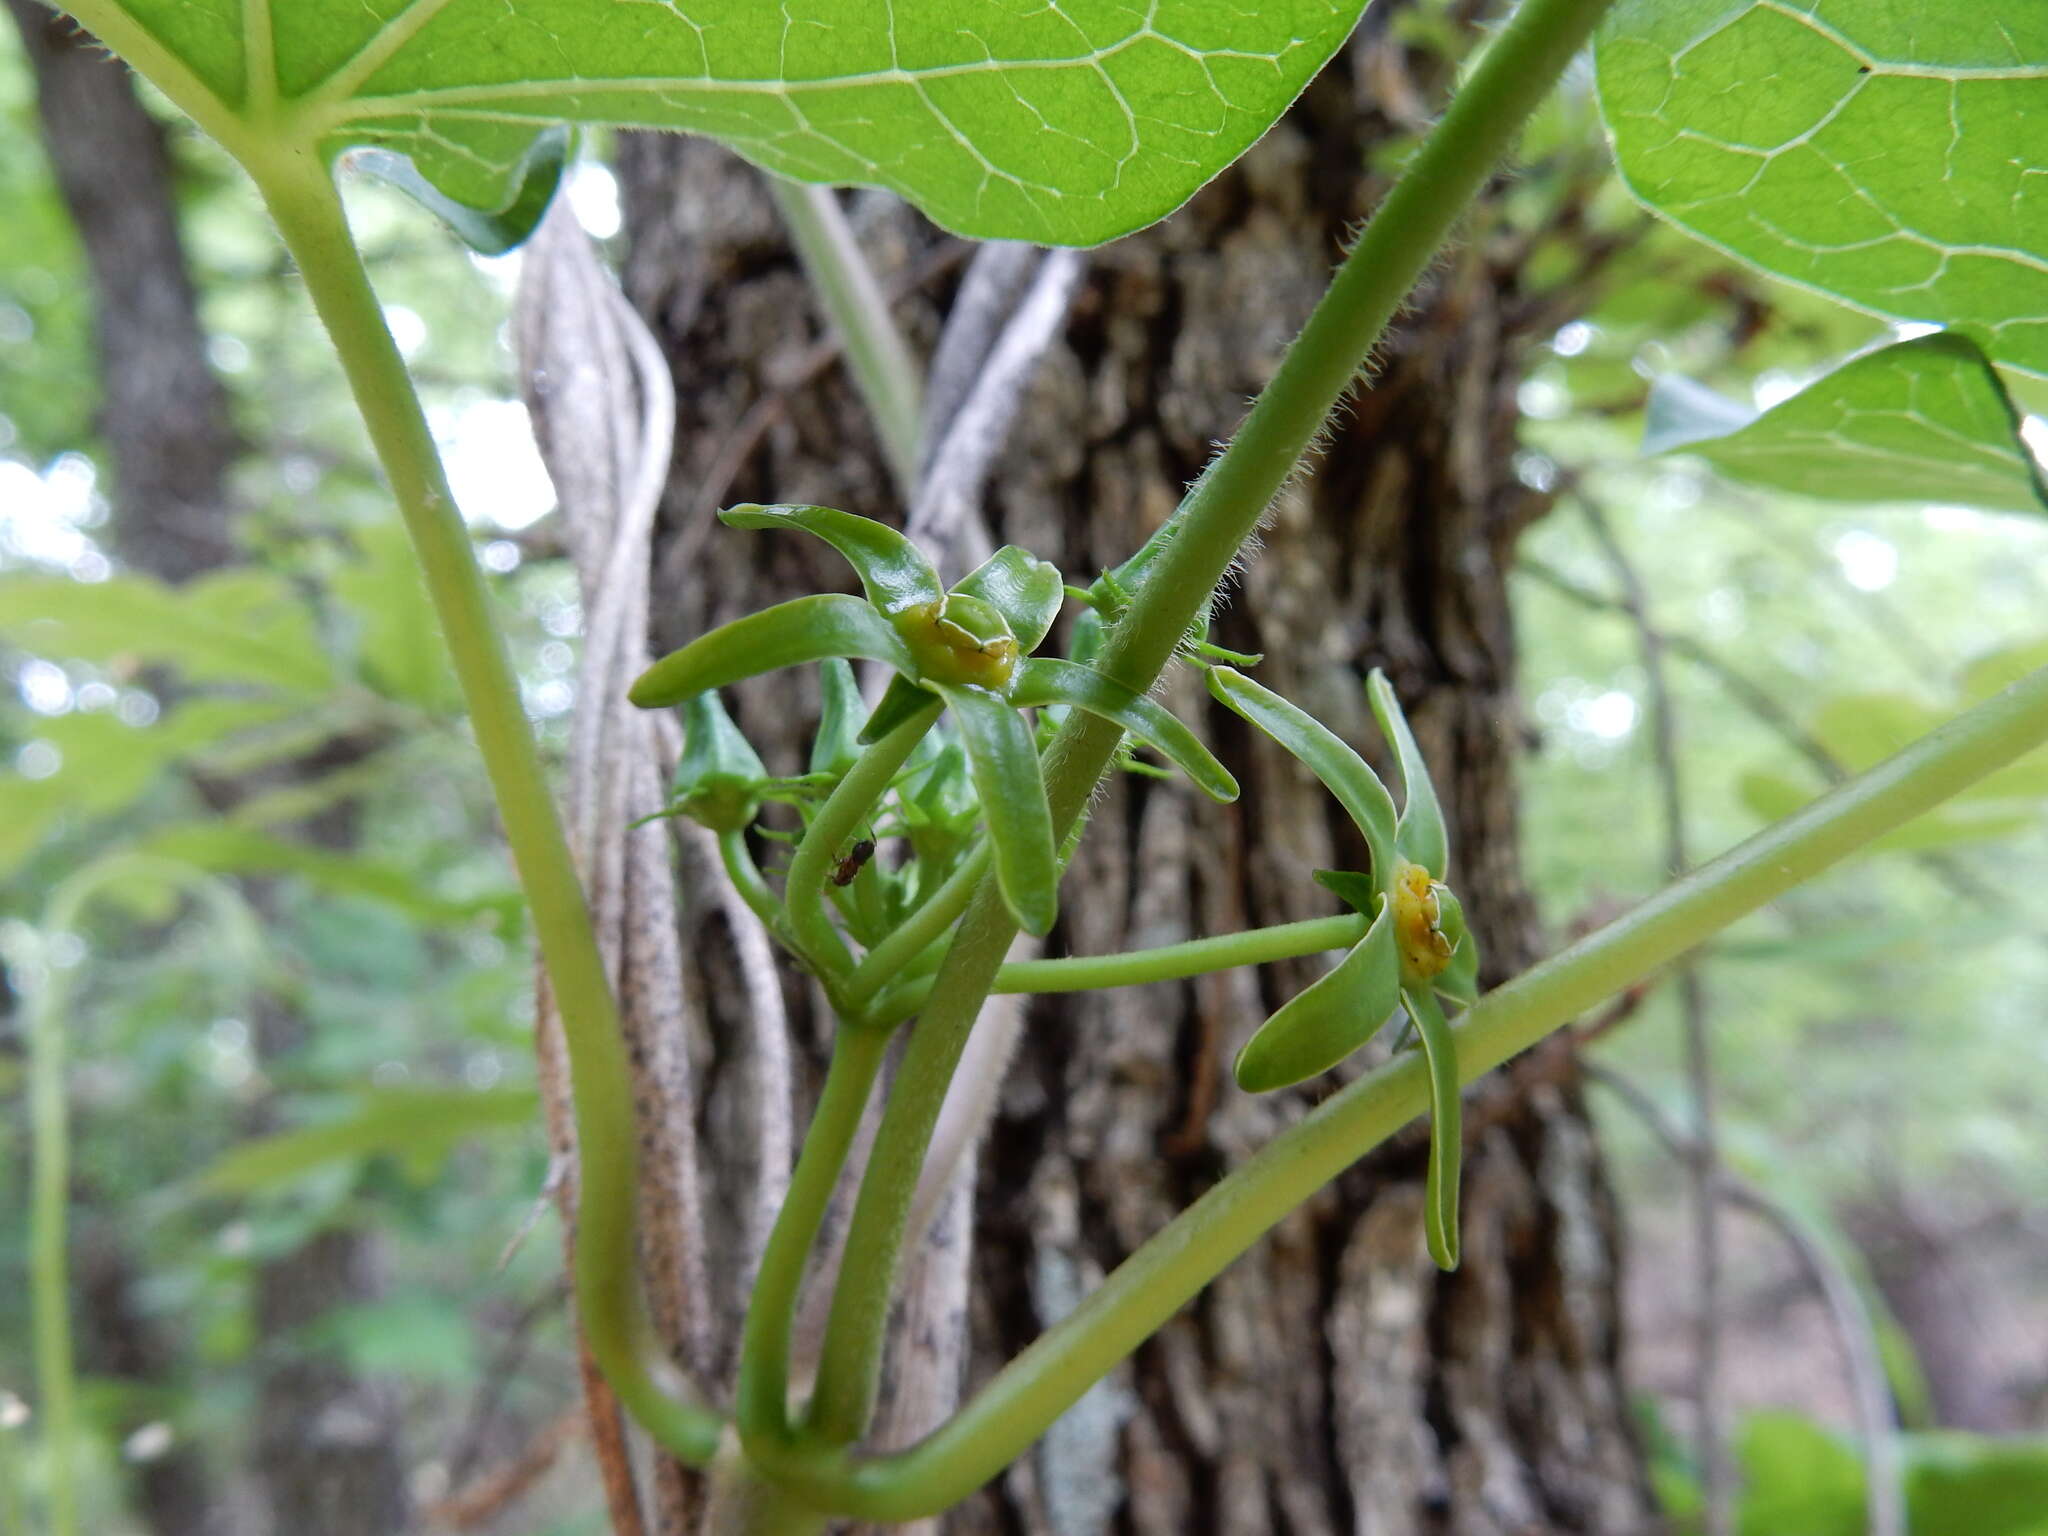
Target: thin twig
[(1887, 623), (1744, 690), (477, 1505), (945, 513), (995, 280), (875, 350), (490, 1394), (740, 444), (1855, 1331), (603, 403), (1766, 709), (1715, 1478)]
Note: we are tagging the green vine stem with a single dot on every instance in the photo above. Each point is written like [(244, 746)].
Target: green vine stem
[(745, 875), (762, 1399), (1518, 69), (1136, 967), (50, 1116), (874, 348), (842, 815), (1159, 1278), (302, 199)]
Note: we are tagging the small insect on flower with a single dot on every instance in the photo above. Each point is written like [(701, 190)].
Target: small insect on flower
[(844, 871)]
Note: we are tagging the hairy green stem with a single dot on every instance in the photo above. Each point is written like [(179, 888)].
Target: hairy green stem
[(762, 1402), (1519, 68), (1162, 1275), (847, 1371), (302, 199), (844, 812), (875, 350)]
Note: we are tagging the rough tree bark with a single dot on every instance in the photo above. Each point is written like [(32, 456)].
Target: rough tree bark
[(1331, 1380), (326, 1442)]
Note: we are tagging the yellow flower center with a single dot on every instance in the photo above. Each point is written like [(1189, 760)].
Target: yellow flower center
[(1425, 950), (948, 652)]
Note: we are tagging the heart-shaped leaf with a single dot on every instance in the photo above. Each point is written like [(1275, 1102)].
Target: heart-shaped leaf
[(488, 231), (1925, 420), (1879, 153), (1067, 124)]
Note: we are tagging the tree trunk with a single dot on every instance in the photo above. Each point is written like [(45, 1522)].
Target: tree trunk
[(163, 412), (326, 1443), (1332, 1379)]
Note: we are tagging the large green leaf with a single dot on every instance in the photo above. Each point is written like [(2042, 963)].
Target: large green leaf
[(240, 625), (1800, 1478), (420, 1126), (1885, 152), (105, 765), (398, 640), (1064, 123), (1774, 796), (1925, 420), (420, 1338), (225, 847), (1860, 730)]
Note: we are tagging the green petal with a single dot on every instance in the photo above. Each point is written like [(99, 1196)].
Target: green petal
[(1343, 772), (1421, 837), (1459, 981), (1356, 891), (1328, 1019), (1088, 637), (1007, 781), (1047, 680), (899, 701), (893, 570), (840, 718), (806, 629), (939, 790), (968, 618), (1446, 1127), (1026, 590), (718, 778), (939, 814)]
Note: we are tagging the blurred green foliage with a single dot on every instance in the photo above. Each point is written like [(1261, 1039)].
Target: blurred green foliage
[(1802, 1479), (1867, 1028)]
